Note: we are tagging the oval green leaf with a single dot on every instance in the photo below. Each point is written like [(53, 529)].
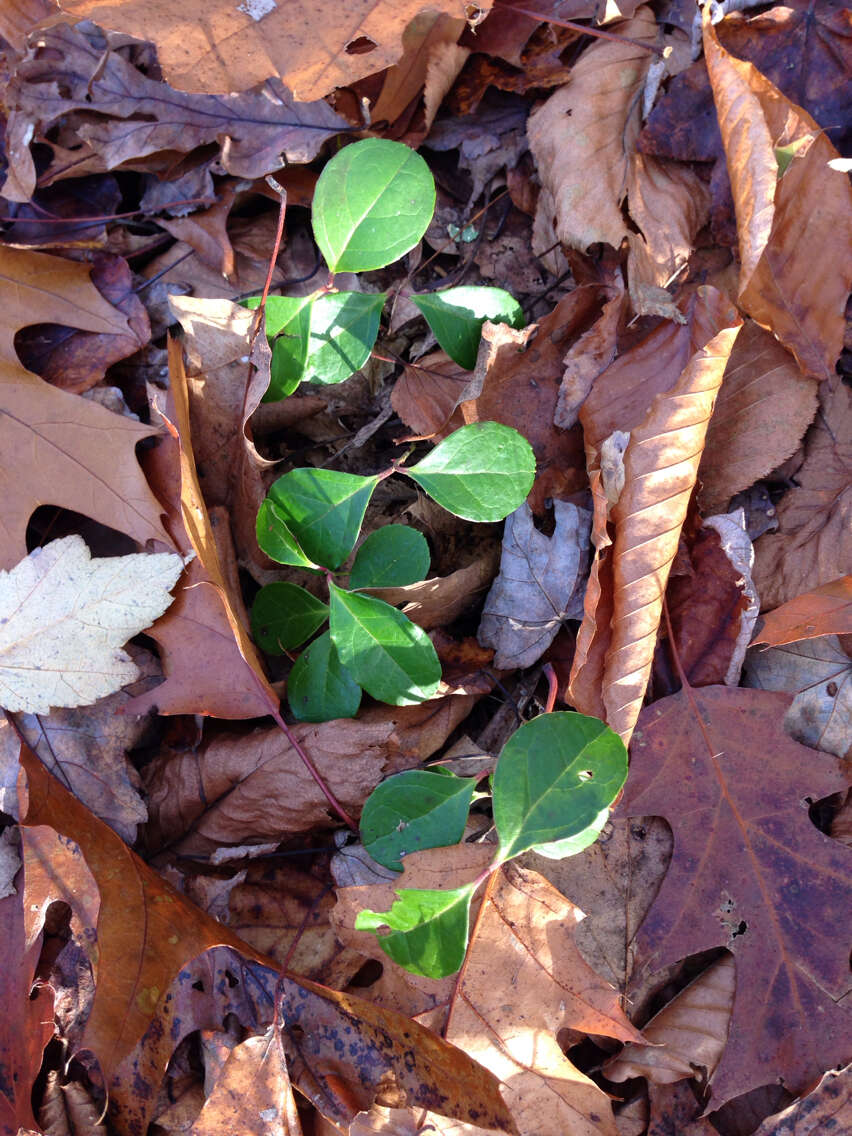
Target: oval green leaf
[(391, 557), (428, 929), (344, 326), (554, 778), (323, 509), (414, 810), (391, 657), (275, 538), (482, 472), (456, 317), (372, 204), (284, 615), (319, 687)]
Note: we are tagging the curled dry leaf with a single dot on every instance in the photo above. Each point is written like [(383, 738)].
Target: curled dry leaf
[(256, 788), (437, 602), (687, 1035), (749, 872), (220, 46), (824, 611), (813, 544), (537, 586), (761, 415), (428, 391), (583, 136), (827, 1108), (784, 219)]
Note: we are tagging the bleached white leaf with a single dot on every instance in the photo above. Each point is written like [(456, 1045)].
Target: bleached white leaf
[(539, 585), (65, 616)]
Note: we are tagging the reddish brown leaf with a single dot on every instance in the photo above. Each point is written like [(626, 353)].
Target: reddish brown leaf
[(824, 611), (828, 1108), (749, 872), (428, 391)]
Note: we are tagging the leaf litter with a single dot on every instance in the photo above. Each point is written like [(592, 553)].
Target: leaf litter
[(683, 270)]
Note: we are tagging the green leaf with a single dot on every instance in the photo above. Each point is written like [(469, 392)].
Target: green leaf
[(428, 929), (323, 509), (320, 688), (456, 316), (391, 657), (284, 615), (391, 557), (414, 810), (571, 845), (482, 472), (275, 538), (554, 778), (344, 326), (373, 202)]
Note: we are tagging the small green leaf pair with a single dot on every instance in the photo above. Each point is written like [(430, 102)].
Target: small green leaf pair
[(554, 783), (373, 203), (311, 518)]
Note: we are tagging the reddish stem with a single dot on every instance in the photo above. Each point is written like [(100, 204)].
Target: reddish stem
[(552, 687)]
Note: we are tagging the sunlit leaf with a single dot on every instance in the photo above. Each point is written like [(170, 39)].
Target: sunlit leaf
[(275, 538), (456, 316), (391, 557), (428, 929), (414, 810), (344, 326), (323, 509)]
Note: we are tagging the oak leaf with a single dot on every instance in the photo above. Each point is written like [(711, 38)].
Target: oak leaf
[(66, 617), (749, 872), (824, 611)]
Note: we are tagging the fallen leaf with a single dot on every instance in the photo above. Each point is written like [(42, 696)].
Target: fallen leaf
[(428, 391), (68, 615), (256, 787), (689, 1033), (583, 136), (674, 1108), (537, 587), (827, 1108), (121, 116), (523, 980), (441, 600), (19, 17), (824, 611), (749, 872), (145, 933), (422, 40), (813, 544), (783, 222), (219, 47), (819, 673), (587, 358), (210, 663), (761, 415)]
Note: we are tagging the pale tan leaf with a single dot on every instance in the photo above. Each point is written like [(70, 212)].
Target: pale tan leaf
[(423, 41), (786, 221), (66, 617), (216, 45), (687, 1035), (585, 134)]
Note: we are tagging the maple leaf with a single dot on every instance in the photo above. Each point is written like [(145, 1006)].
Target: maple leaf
[(749, 872), (65, 616)]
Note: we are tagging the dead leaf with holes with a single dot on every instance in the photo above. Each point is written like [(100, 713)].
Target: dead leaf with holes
[(750, 872), (824, 611), (827, 1108)]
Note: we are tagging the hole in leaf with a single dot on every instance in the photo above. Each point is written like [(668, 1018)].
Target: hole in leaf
[(586, 775), (742, 927), (831, 689), (361, 45), (231, 980), (198, 985)]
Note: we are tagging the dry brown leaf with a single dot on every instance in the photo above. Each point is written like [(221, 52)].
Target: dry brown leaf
[(428, 391), (69, 1110), (210, 663), (585, 134), (587, 358), (827, 1109), (813, 544), (675, 1109), (670, 203), (824, 611), (687, 1035), (219, 46), (761, 415), (19, 17), (784, 222), (254, 788), (441, 600), (422, 41), (121, 117), (523, 981), (660, 465)]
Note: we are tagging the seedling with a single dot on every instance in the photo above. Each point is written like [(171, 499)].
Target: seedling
[(552, 789)]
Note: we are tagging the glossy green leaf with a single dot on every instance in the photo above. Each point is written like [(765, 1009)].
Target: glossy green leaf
[(482, 472), (320, 688), (275, 538), (391, 657), (373, 202), (323, 509), (571, 845), (428, 929), (414, 810), (284, 615), (391, 557), (344, 326), (554, 778), (456, 316)]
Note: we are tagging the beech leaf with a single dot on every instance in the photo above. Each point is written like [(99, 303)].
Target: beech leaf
[(65, 617)]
